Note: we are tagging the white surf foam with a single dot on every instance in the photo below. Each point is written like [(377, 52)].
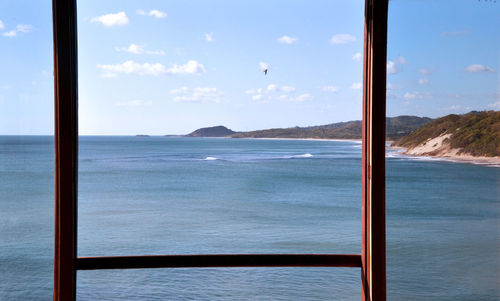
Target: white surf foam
[(210, 159), (308, 155)]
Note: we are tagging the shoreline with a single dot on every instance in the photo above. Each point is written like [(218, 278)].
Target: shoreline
[(450, 157), (266, 138), (302, 139)]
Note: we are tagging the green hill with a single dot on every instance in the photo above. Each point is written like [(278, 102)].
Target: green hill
[(396, 127), (474, 133), (214, 131)]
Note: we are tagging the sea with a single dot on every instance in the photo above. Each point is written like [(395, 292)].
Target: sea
[(173, 195)]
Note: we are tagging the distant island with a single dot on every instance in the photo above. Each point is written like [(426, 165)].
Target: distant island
[(214, 131), (396, 127), (474, 136)]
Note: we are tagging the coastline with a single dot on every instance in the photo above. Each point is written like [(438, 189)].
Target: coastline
[(304, 139), (266, 138), (449, 156), (423, 153)]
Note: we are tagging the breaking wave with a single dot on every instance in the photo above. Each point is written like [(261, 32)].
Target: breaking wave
[(308, 155)]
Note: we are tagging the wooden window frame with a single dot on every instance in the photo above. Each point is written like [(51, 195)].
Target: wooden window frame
[(371, 261)]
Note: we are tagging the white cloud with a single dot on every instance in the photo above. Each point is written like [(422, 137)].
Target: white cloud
[(287, 89), (133, 67), (357, 56), (332, 89), (139, 49), (409, 95), (356, 86), (495, 106), (153, 13), (10, 34), (257, 97), (270, 93), (400, 60), (256, 91), (133, 48), (477, 68), (416, 95), (263, 65), (393, 66), (185, 94), (210, 37), (285, 97), (455, 107), (272, 87), (301, 98), (423, 81), (342, 38), (24, 28), (117, 19), (108, 75), (191, 67), (287, 40), (2, 26), (135, 103), (157, 14), (181, 90), (426, 71)]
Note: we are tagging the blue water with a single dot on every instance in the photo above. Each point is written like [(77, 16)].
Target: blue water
[(157, 195)]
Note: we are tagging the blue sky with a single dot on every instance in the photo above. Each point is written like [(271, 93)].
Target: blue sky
[(170, 67)]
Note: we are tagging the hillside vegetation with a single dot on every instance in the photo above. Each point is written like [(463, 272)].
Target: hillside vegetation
[(214, 131), (396, 127), (474, 133)]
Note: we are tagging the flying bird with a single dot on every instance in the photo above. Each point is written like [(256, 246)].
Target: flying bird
[(265, 71)]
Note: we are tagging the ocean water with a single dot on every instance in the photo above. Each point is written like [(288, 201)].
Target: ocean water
[(158, 195)]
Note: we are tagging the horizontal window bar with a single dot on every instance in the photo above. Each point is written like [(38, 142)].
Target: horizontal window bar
[(218, 261)]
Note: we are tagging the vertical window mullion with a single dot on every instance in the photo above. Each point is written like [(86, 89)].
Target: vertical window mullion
[(66, 147), (373, 249)]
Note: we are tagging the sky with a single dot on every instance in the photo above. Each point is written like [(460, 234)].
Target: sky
[(170, 67)]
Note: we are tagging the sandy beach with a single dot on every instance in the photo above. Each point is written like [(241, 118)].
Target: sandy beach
[(439, 149)]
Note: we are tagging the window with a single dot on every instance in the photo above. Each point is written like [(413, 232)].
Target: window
[(443, 62), (372, 259), (26, 150)]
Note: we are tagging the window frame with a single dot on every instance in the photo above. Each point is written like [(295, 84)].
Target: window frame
[(371, 261)]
